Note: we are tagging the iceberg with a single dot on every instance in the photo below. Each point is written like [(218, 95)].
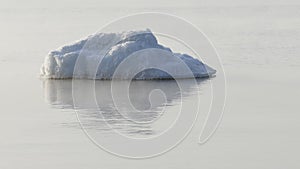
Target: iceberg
[(99, 55)]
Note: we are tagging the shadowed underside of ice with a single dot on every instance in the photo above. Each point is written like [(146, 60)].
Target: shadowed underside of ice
[(99, 56)]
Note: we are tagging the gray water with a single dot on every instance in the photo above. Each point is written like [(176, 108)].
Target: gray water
[(258, 43)]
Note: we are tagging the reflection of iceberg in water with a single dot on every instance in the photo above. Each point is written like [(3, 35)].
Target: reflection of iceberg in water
[(150, 101)]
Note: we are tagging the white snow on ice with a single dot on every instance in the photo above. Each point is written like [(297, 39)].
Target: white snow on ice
[(112, 49)]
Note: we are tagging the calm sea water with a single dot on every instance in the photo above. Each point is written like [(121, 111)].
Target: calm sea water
[(258, 42)]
